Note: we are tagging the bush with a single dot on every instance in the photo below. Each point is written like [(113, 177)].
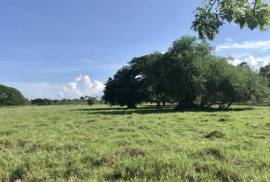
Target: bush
[(91, 101)]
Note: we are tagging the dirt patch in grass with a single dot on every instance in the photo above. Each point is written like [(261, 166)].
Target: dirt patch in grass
[(215, 134), (5, 143), (202, 168), (132, 152), (211, 152), (110, 159), (125, 130), (204, 120), (91, 121), (253, 163), (6, 133), (256, 136), (222, 119), (227, 176), (223, 175), (72, 170), (150, 171), (22, 143), (99, 161)]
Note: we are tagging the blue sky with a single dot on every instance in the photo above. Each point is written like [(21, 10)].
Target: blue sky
[(68, 48)]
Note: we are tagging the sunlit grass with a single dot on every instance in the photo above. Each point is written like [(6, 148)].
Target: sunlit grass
[(81, 143)]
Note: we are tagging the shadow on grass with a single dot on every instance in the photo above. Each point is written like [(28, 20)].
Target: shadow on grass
[(154, 110)]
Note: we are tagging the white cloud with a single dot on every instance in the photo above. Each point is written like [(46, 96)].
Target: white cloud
[(80, 86), (254, 62), (262, 45)]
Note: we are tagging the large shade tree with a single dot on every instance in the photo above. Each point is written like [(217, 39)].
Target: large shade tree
[(125, 88), (181, 71), (189, 75), (246, 13), (152, 70)]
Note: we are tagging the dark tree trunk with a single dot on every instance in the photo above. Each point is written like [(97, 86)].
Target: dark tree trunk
[(229, 105), (131, 106), (163, 103)]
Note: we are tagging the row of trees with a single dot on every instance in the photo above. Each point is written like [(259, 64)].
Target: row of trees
[(188, 74), (83, 100)]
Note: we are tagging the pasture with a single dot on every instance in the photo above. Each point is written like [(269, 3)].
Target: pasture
[(82, 143)]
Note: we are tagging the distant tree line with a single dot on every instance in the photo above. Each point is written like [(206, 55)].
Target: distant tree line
[(83, 100), (13, 97), (188, 74)]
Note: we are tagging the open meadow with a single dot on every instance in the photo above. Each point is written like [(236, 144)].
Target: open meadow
[(82, 143)]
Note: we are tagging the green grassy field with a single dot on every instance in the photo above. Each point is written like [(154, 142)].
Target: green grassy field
[(81, 143)]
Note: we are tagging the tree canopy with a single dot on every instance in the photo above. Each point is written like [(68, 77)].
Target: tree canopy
[(11, 96), (265, 71), (246, 13), (188, 74), (126, 88)]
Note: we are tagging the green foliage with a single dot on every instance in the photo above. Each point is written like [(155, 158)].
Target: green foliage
[(126, 88), (222, 83), (11, 97), (78, 143), (214, 13), (83, 100), (152, 70), (265, 72), (44, 102), (187, 74), (181, 72), (92, 100)]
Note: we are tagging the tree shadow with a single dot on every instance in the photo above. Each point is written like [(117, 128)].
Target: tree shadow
[(123, 108), (154, 110)]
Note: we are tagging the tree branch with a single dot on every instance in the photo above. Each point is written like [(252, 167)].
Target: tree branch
[(254, 8), (212, 5)]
